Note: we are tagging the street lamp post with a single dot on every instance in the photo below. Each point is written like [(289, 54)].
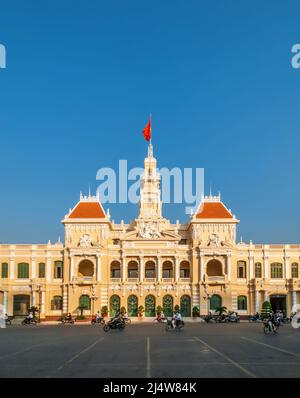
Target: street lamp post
[(39, 291)]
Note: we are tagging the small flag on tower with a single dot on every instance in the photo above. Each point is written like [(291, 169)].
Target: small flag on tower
[(147, 131)]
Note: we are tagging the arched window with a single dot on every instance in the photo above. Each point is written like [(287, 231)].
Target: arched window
[(114, 305), (276, 270), (4, 270), (184, 269), (168, 305), (295, 272), (241, 269), (150, 305), (150, 269), (56, 303), (115, 269), (132, 305), (85, 302), (23, 271), (215, 301), (185, 305), (133, 269), (214, 268), (258, 273), (58, 270), (86, 269), (167, 269), (242, 303), (42, 270)]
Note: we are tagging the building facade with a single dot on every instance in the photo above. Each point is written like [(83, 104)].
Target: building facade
[(149, 262)]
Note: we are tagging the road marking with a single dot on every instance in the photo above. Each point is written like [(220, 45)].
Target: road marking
[(75, 357), (237, 365), (271, 346), (148, 374), (20, 352)]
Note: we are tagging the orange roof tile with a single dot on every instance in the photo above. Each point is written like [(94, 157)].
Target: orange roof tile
[(213, 210), (87, 210)]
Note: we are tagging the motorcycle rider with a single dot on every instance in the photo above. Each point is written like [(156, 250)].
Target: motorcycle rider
[(176, 319), (98, 316), (272, 321)]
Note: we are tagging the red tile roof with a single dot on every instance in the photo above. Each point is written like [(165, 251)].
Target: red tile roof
[(87, 210), (213, 210)]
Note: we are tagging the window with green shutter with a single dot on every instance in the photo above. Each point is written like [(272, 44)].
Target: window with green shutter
[(4, 270), (23, 271), (85, 302), (42, 270), (58, 270)]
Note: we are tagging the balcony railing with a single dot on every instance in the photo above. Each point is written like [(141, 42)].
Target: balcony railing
[(133, 280), (185, 279), (151, 280), (84, 279), (167, 280), (115, 280), (218, 278)]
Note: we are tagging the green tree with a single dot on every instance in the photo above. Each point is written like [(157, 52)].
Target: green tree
[(195, 311), (266, 309), (159, 310)]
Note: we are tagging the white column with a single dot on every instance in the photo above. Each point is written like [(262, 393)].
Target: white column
[(123, 269), (201, 267), (142, 271), (266, 267), (266, 296), (71, 267), (287, 267), (12, 267), (256, 301), (33, 298), (294, 298), (158, 269), (251, 266), (99, 268), (42, 302), (33, 267), (176, 269), (48, 267), (5, 302), (229, 267), (65, 299)]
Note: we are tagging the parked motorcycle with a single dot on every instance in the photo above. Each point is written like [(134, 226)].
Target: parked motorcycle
[(222, 318), (160, 319), (179, 325), (209, 318), (67, 319), (29, 321), (255, 318), (99, 320), (8, 322), (114, 323)]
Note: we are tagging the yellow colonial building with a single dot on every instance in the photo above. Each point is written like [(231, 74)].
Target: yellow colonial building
[(149, 262)]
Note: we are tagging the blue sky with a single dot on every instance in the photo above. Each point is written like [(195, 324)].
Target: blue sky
[(82, 78)]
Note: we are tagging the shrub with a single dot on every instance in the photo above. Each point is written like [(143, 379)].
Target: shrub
[(141, 310), (123, 310), (266, 309), (176, 308), (195, 311), (104, 310), (159, 310)]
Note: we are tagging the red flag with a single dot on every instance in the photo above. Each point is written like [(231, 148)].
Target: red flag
[(147, 131)]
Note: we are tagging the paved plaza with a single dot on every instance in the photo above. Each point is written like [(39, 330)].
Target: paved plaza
[(147, 350)]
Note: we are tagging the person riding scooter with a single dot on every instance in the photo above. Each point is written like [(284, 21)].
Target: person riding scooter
[(176, 319)]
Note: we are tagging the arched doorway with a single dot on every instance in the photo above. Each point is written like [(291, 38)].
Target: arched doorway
[(215, 301), (132, 305), (150, 306), (86, 269), (168, 305), (278, 302), (21, 304), (214, 268), (114, 305), (185, 305)]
